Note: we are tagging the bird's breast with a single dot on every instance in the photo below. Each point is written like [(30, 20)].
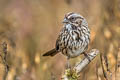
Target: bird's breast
[(73, 40)]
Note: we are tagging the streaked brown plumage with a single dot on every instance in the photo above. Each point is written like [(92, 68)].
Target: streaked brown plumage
[(74, 37)]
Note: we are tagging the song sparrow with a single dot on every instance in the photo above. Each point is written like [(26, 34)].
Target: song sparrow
[(73, 38)]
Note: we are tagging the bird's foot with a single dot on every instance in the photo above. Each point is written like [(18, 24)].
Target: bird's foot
[(68, 63)]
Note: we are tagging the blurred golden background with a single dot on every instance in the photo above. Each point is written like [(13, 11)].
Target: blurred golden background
[(31, 27)]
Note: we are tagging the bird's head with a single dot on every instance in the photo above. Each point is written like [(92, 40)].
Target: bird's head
[(74, 19)]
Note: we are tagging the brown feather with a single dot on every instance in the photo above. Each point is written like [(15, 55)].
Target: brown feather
[(51, 52)]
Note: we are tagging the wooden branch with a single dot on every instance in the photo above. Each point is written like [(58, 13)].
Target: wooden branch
[(73, 74)]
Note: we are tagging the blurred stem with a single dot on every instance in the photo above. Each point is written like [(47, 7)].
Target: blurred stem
[(3, 56)]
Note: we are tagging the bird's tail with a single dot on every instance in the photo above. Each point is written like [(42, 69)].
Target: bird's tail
[(51, 52)]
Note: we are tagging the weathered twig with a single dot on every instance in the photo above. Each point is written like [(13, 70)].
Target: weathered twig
[(73, 74), (3, 55)]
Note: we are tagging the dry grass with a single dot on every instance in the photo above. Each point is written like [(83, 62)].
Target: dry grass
[(30, 28)]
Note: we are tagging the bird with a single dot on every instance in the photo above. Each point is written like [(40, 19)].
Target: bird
[(74, 37)]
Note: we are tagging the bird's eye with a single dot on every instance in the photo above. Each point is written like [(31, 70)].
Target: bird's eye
[(72, 18)]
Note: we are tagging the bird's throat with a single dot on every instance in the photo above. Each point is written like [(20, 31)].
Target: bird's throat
[(68, 27)]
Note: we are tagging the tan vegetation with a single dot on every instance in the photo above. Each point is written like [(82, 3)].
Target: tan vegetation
[(30, 28)]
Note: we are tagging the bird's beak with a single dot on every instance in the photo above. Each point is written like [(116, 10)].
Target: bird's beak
[(65, 21)]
